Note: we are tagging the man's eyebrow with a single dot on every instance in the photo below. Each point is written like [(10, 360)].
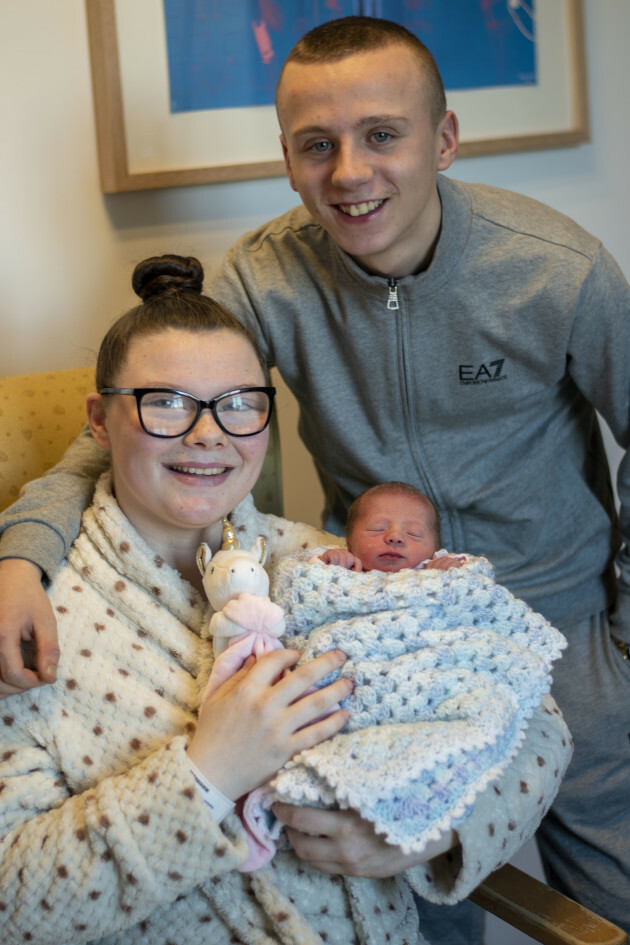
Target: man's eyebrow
[(366, 122)]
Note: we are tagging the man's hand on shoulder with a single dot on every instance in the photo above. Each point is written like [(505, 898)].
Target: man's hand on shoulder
[(29, 651)]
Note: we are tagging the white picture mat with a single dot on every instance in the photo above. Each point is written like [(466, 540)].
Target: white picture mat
[(158, 140)]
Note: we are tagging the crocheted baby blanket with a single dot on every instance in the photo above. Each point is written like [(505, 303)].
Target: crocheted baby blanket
[(448, 667)]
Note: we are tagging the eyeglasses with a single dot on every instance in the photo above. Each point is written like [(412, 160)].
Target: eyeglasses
[(168, 413)]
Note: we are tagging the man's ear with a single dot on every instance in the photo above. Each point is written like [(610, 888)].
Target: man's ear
[(448, 133), (287, 162), (97, 419)]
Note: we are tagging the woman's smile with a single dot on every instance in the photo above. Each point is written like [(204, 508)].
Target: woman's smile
[(199, 471)]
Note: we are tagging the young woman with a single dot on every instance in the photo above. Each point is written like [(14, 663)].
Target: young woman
[(116, 813)]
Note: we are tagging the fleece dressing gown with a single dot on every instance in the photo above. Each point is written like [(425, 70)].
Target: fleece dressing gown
[(103, 835)]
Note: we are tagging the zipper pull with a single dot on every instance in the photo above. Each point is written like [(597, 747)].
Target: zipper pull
[(392, 299)]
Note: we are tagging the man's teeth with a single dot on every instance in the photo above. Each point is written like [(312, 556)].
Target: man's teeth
[(197, 471), (359, 209)]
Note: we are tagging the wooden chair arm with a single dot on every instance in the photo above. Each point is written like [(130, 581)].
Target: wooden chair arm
[(542, 913)]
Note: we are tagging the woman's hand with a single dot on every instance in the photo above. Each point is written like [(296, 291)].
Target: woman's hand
[(340, 841), (25, 617), (257, 720)]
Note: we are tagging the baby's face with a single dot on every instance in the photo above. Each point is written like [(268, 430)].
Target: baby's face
[(393, 531)]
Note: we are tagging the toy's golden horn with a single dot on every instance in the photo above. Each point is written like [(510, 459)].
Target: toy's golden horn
[(229, 541)]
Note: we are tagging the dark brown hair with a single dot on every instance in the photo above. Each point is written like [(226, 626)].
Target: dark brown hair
[(349, 35), (171, 291), (394, 488)]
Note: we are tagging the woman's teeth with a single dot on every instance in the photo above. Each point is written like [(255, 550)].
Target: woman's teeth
[(200, 471)]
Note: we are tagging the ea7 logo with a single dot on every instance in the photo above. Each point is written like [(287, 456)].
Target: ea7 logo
[(482, 374)]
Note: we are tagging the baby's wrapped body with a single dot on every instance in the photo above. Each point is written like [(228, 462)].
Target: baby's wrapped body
[(448, 668)]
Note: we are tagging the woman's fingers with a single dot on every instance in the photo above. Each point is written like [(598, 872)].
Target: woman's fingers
[(233, 681), (272, 664), (271, 670), (254, 722), (310, 715), (320, 703), (330, 841), (314, 732), (340, 841), (297, 688)]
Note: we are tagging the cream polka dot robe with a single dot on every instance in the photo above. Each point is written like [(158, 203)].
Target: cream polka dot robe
[(103, 836)]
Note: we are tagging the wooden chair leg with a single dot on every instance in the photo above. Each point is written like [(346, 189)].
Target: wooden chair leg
[(542, 913)]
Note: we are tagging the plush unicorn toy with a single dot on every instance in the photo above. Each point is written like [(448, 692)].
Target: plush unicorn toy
[(245, 621)]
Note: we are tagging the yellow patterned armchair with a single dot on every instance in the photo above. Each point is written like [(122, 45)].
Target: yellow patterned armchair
[(40, 415)]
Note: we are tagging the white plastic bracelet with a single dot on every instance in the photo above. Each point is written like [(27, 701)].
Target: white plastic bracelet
[(217, 803)]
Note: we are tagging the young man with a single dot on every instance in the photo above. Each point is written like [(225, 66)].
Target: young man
[(460, 338)]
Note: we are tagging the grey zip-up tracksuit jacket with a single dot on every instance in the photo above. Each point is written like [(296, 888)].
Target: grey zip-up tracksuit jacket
[(477, 381)]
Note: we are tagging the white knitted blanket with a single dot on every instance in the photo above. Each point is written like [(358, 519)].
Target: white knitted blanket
[(448, 667)]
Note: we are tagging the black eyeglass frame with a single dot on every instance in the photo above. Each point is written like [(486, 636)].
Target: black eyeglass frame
[(139, 392)]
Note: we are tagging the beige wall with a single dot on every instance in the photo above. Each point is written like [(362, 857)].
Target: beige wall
[(67, 252)]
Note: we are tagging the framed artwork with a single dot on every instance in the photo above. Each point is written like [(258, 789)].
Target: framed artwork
[(183, 89)]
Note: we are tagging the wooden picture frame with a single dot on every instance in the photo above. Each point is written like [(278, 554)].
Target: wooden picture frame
[(477, 110)]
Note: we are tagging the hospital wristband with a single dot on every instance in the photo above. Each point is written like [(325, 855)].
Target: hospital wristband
[(218, 804)]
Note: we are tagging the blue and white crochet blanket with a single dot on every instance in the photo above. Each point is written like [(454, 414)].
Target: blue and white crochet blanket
[(448, 667)]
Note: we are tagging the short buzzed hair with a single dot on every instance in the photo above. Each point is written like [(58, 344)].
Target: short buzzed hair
[(394, 488), (349, 35)]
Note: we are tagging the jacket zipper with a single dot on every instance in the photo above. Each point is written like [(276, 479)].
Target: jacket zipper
[(392, 299), (405, 369)]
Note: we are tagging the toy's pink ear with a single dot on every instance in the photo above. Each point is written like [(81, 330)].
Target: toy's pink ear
[(204, 554)]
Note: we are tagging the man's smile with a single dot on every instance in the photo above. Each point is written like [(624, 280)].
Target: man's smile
[(360, 209)]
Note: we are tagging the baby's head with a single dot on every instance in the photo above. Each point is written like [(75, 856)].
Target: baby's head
[(392, 526)]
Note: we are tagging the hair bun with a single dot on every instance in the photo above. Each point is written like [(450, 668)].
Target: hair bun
[(167, 275)]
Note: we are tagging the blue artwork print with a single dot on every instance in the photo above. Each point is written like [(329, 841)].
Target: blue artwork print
[(228, 53)]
